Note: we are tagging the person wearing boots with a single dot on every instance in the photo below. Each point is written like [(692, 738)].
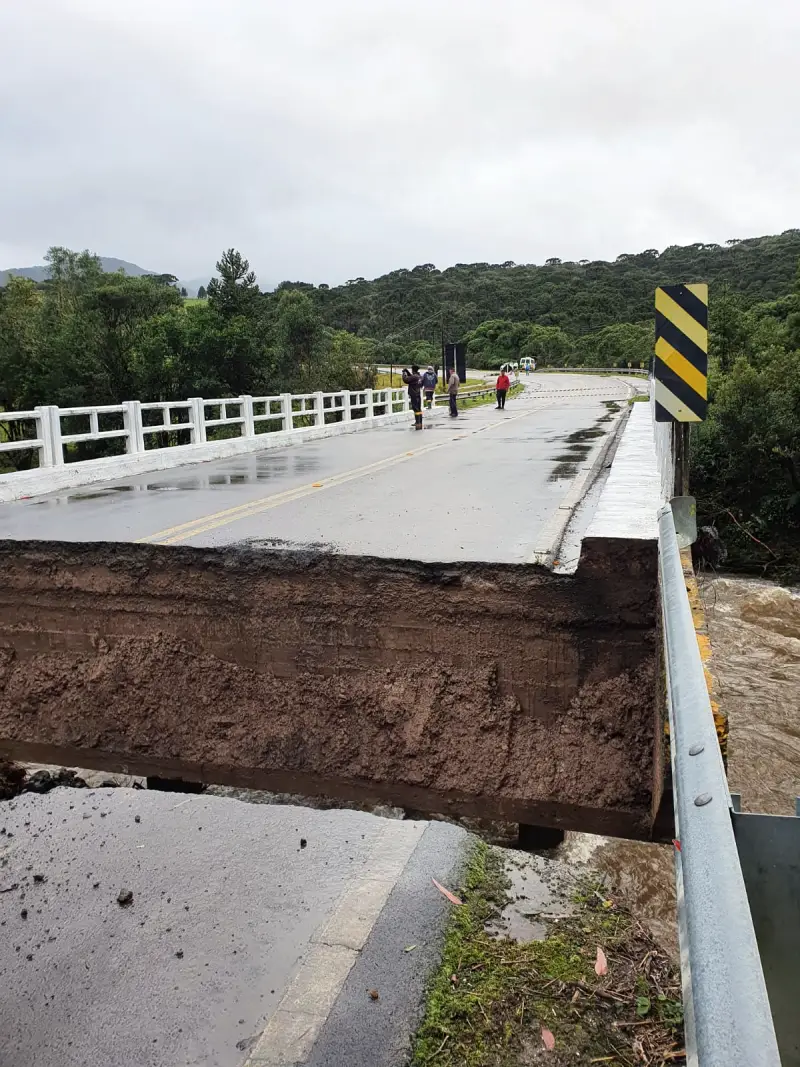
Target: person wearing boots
[(413, 382)]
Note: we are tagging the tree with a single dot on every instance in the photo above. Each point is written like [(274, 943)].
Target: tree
[(119, 307), (20, 306), (548, 345), (201, 293), (496, 342), (615, 346), (184, 294), (235, 291), (71, 275), (298, 336)]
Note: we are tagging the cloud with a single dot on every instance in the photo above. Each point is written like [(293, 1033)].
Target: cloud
[(335, 138)]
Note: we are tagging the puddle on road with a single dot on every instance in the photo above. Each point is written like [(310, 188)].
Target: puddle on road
[(262, 469), (584, 435), (96, 494), (568, 462)]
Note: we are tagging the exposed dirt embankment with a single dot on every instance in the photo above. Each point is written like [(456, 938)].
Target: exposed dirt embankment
[(486, 690)]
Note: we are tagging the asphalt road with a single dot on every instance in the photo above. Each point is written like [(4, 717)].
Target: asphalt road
[(482, 487), (236, 909)]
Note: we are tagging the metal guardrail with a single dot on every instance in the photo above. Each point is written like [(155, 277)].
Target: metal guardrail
[(465, 394), (728, 1018), (642, 372)]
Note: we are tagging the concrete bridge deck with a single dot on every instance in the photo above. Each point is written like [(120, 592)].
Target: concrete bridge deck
[(486, 486), (351, 617)]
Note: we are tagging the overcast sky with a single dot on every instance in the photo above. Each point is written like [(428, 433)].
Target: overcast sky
[(328, 139)]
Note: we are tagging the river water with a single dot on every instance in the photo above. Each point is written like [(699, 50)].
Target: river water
[(755, 657)]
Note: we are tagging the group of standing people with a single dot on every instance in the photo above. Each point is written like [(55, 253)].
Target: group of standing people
[(417, 384)]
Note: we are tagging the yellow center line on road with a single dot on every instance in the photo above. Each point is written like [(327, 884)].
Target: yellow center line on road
[(205, 523)]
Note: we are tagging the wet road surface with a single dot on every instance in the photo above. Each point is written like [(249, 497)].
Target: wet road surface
[(227, 905), (478, 488)]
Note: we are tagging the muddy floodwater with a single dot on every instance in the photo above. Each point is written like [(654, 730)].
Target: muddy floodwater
[(755, 641)]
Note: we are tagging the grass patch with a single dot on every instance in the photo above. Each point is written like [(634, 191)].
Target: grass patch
[(382, 382), (490, 398), (641, 398), (491, 997)]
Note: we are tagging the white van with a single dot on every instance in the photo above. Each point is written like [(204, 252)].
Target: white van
[(527, 364)]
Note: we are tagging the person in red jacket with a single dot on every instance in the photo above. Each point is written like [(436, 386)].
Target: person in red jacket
[(502, 387)]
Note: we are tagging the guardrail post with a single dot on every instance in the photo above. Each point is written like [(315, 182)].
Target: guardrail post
[(54, 434), (286, 411), (46, 457), (248, 426), (369, 410), (198, 410), (346, 413), (132, 421), (319, 409)]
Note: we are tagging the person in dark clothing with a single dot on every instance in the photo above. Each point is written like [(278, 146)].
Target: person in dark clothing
[(453, 382), (429, 380), (413, 382), (502, 387)]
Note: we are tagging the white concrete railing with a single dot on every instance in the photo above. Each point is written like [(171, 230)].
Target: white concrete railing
[(137, 423)]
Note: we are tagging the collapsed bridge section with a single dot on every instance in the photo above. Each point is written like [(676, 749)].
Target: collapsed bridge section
[(486, 690)]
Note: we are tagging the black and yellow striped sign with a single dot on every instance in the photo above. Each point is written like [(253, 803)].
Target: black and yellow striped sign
[(681, 366)]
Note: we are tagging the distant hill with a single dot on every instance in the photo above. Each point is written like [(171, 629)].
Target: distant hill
[(110, 264), (42, 273), (579, 297)]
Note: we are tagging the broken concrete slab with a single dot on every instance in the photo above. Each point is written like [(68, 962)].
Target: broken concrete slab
[(486, 690)]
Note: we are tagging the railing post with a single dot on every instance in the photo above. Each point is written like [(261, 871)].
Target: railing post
[(132, 421), (46, 456), (346, 413), (248, 426), (198, 409), (54, 433), (369, 411), (319, 409), (286, 410)]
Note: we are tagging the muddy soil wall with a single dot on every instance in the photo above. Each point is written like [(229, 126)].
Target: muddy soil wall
[(495, 691)]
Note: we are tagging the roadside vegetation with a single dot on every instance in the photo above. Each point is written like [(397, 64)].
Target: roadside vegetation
[(746, 455), (494, 1002), (382, 381)]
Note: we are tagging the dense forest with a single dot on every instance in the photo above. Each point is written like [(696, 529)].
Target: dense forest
[(746, 455), (586, 313), (87, 336)]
